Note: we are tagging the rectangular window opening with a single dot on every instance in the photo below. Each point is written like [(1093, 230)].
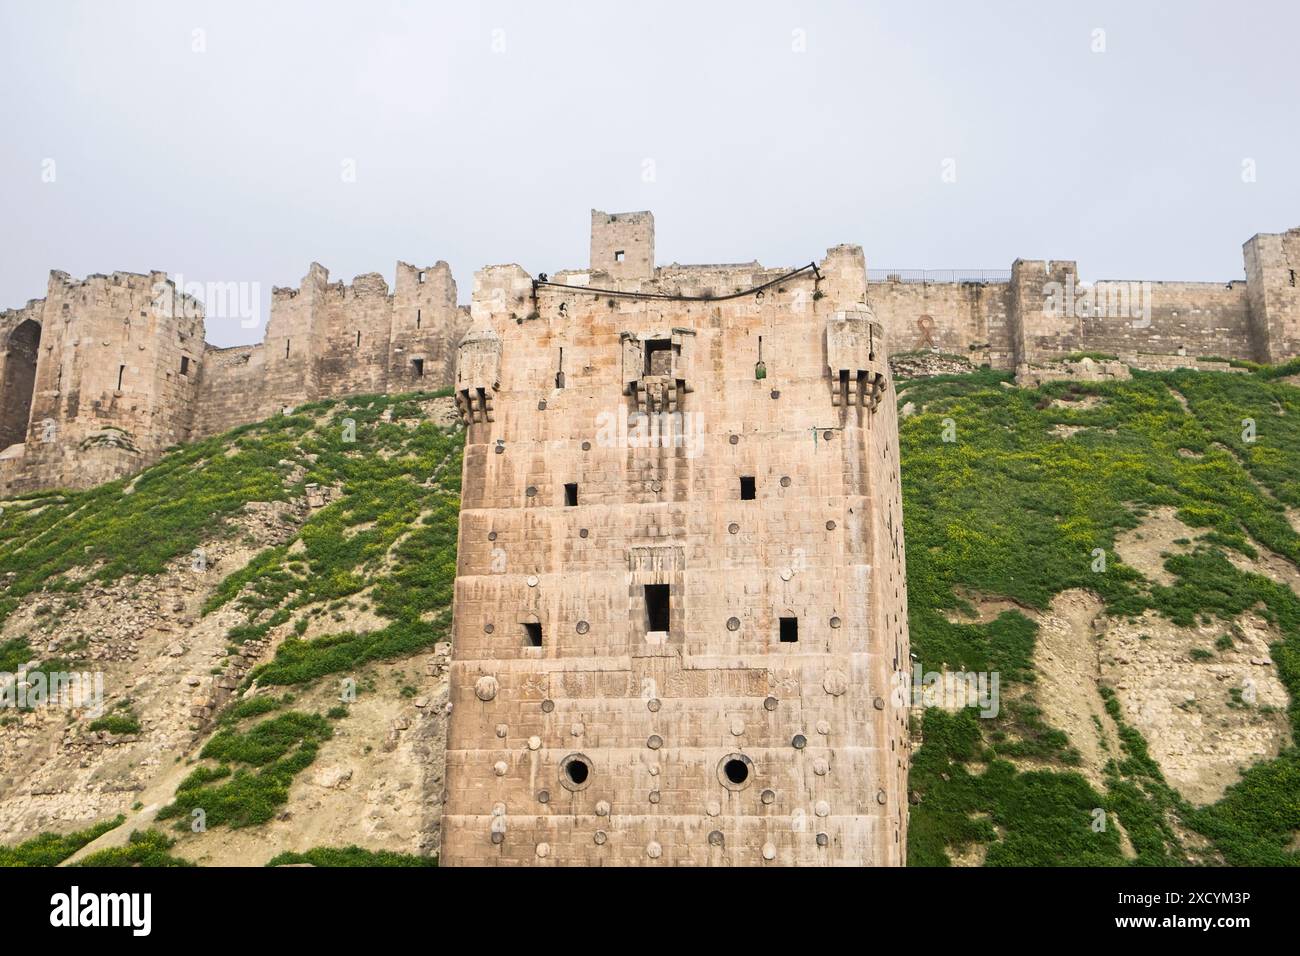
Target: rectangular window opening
[(658, 356), (746, 488), (571, 495), (658, 607), (789, 630), (532, 635), (286, 348), (121, 370), (185, 365), (417, 318), (358, 339), (618, 255), (419, 367)]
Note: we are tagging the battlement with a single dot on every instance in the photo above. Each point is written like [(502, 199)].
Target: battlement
[(128, 358), (127, 350)]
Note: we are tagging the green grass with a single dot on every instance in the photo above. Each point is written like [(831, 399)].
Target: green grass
[(352, 856), (1011, 510), (143, 848), (51, 849), (253, 772), (117, 724)]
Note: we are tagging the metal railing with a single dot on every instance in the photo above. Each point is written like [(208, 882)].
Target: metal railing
[(938, 276)]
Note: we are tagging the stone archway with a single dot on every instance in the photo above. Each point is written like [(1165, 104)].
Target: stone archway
[(17, 380)]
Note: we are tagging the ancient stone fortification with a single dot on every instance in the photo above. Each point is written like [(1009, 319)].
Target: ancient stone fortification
[(1042, 310), (104, 373), (680, 609)]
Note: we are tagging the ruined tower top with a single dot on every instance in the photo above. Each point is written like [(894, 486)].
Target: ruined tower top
[(623, 244)]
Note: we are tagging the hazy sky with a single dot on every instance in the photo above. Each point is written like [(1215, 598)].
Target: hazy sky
[(484, 133)]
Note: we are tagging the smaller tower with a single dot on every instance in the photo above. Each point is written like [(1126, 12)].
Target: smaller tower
[(623, 244)]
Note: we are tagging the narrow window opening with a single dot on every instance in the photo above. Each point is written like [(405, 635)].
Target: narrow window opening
[(571, 497), (657, 607), (417, 318), (286, 348), (121, 370), (559, 370), (419, 367), (789, 630), (1293, 278), (618, 255), (746, 488), (358, 338), (532, 635), (421, 275), (185, 365)]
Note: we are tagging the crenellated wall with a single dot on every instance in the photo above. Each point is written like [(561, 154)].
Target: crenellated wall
[(92, 385), (105, 373)]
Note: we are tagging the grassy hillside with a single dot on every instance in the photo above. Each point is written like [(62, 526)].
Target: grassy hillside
[(384, 546), (1013, 509)]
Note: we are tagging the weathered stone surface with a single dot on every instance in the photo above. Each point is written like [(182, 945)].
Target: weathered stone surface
[(595, 677)]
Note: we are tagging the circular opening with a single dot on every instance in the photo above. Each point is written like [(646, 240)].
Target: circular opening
[(575, 772), (735, 771)]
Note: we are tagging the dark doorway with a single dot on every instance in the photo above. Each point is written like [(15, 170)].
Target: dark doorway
[(658, 607), (789, 630), (19, 378)]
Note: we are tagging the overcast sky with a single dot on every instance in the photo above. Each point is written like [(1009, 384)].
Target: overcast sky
[(484, 133)]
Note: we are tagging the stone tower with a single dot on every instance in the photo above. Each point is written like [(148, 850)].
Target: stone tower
[(680, 606)]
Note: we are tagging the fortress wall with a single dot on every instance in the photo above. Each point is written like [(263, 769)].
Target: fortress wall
[(1003, 323), (1054, 315), (108, 394), (93, 329), (961, 318), (330, 338), (1273, 276), (655, 713), (234, 389), (426, 326), (354, 352)]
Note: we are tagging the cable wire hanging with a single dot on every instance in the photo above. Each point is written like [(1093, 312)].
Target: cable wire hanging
[(538, 283)]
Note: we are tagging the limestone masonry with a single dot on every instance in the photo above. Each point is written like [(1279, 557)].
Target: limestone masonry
[(680, 610), (104, 373)]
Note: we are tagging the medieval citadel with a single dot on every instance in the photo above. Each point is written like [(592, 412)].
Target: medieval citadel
[(106, 372), (680, 602)]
